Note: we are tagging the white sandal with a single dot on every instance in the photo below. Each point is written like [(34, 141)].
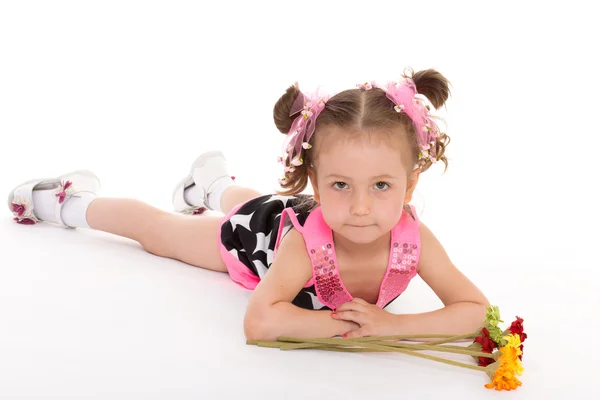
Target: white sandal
[(20, 200), (178, 198)]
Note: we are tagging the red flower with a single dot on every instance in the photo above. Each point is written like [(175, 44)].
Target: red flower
[(517, 328), (19, 209), (25, 221), (487, 346), (63, 193)]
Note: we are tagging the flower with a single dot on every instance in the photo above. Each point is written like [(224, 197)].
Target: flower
[(508, 365), (516, 328), (65, 188), (492, 315), (305, 145), (307, 113), (504, 378), (514, 342), (22, 210), (19, 209), (492, 319), (487, 345), (25, 221), (297, 161), (399, 108)]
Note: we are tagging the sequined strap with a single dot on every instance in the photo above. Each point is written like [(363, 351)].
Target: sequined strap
[(404, 259), (319, 243), (328, 283)]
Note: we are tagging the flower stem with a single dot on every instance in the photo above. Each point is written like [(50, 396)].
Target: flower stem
[(427, 347), (373, 346), (454, 338), (402, 337)]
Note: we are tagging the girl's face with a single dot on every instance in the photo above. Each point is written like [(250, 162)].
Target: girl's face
[(361, 183)]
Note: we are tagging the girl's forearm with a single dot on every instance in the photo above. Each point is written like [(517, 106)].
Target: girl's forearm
[(456, 318), (286, 319)]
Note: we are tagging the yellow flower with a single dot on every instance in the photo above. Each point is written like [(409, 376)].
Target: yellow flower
[(514, 341), (512, 351), (508, 366), (510, 358)]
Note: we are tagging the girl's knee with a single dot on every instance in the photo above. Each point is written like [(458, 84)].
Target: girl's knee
[(155, 238)]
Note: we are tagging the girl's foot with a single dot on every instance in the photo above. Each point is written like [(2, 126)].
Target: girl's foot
[(202, 188), (62, 200)]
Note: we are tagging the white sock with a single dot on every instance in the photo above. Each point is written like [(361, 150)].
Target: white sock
[(73, 211), (216, 191), (193, 196)]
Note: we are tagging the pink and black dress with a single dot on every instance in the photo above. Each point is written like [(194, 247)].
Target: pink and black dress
[(250, 235)]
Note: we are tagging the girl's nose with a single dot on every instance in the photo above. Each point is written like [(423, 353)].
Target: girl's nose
[(361, 204)]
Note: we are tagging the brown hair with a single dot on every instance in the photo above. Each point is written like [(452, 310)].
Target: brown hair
[(359, 109)]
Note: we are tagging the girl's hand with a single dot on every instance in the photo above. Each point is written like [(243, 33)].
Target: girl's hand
[(372, 320)]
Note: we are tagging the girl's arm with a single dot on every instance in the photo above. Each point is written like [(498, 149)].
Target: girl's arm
[(271, 314), (465, 305)]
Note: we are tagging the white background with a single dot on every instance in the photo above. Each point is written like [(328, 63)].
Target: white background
[(134, 91)]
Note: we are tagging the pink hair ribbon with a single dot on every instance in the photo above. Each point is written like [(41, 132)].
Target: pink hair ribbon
[(403, 95), (302, 129)]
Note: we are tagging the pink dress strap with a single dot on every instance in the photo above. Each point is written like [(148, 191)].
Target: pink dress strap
[(402, 263), (405, 252), (319, 244)]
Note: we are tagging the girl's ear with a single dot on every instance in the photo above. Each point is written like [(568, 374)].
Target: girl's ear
[(413, 179), (312, 177)]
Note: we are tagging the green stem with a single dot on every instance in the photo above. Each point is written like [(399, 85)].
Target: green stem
[(453, 338), (403, 337), (369, 345), (445, 349), (347, 349), (264, 343)]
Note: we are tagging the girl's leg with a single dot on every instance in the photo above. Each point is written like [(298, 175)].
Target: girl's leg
[(70, 200), (189, 239), (209, 186), (234, 195), (186, 238)]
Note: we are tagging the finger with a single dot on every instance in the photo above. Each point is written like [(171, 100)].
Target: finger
[(353, 316), (360, 301), (346, 307), (352, 305), (360, 332)]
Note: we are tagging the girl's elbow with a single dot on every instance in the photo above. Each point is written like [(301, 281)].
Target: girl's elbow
[(257, 327)]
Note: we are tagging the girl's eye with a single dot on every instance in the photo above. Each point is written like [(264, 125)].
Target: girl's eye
[(381, 185), (339, 185)]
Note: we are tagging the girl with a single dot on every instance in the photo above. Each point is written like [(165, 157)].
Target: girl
[(319, 266)]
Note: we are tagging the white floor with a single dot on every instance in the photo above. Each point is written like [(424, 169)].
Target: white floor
[(86, 315), (135, 91)]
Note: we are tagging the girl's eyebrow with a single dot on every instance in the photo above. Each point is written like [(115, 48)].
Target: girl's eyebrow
[(384, 176)]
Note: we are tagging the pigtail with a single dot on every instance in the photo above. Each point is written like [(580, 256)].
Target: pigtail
[(297, 180), (281, 110), (433, 85)]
